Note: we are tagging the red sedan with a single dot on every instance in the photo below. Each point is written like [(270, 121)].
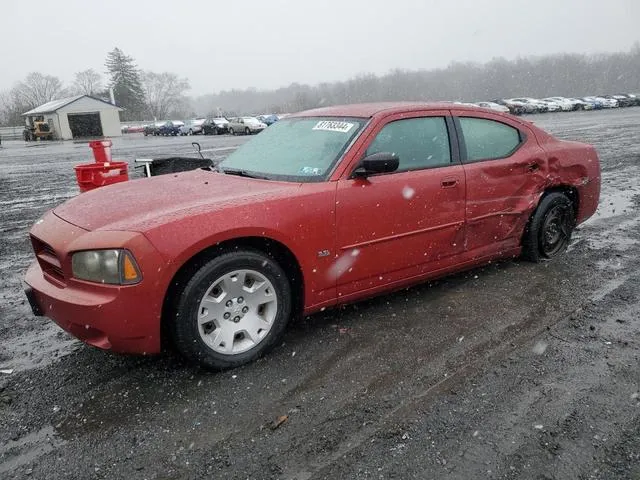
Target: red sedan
[(324, 207)]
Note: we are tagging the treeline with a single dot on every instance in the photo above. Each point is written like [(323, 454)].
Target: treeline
[(147, 95), (550, 75), (142, 94)]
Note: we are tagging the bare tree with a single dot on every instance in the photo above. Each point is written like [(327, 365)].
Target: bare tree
[(164, 93), (36, 89), (88, 82), (10, 113)]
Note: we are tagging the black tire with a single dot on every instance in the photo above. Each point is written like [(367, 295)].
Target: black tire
[(549, 230), (231, 131), (247, 131), (184, 323)]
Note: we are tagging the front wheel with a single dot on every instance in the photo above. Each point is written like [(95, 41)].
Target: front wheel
[(549, 230), (231, 131), (247, 131), (233, 310)]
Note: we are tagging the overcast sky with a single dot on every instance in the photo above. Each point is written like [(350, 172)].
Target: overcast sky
[(223, 44)]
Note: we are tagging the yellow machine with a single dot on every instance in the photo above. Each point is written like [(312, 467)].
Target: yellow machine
[(37, 130)]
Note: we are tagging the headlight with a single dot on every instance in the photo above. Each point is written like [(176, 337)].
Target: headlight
[(115, 267)]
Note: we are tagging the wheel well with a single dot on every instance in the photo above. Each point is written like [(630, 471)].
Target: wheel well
[(272, 248), (570, 192)]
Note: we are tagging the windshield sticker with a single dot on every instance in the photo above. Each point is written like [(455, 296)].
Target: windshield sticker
[(310, 171), (333, 126)]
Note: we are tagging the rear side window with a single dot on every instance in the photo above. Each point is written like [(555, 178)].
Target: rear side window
[(418, 142), (487, 139)]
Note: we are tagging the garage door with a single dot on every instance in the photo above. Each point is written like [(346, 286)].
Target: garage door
[(85, 125)]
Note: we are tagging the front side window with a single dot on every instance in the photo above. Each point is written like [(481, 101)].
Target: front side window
[(418, 142), (487, 139), (296, 149)]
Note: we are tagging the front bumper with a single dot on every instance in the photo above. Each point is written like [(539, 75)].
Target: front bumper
[(123, 319)]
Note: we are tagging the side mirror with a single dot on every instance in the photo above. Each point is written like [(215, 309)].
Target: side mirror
[(381, 162)]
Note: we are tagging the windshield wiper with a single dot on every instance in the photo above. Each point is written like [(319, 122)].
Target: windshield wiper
[(242, 173)]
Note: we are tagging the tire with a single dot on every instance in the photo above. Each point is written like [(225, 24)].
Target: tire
[(247, 131), (231, 131), (549, 230), (203, 307), (190, 132)]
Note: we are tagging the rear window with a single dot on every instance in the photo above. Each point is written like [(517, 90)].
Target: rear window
[(487, 139)]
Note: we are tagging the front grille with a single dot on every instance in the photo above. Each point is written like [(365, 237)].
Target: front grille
[(48, 249), (48, 260)]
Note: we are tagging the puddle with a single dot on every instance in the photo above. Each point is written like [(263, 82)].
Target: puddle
[(618, 192), (620, 237), (16, 453)]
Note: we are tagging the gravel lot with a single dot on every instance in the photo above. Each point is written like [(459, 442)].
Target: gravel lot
[(515, 370)]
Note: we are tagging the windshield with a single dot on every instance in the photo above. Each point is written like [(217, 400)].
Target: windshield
[(296, 149)]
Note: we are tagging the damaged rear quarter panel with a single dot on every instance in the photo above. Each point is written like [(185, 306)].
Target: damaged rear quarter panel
[(576, 165)]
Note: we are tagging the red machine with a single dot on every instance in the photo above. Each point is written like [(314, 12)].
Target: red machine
[(103, 171)]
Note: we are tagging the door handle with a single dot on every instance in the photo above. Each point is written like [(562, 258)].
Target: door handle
[(532, 167), (449, 182)]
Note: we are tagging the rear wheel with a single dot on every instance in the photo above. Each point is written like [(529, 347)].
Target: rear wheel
[(233, 310), (549, 230), (231, 131), (247, 131)]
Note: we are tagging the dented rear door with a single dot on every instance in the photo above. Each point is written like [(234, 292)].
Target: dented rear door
[(505, 172)]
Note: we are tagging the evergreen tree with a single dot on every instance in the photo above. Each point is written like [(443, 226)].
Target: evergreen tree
[(126, 84)]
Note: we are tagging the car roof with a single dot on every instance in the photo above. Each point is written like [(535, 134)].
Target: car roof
[(367, 110)]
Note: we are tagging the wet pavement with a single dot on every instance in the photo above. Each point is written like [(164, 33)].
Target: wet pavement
[(513, 370)]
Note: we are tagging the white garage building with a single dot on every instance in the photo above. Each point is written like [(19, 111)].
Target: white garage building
[(81, 116)]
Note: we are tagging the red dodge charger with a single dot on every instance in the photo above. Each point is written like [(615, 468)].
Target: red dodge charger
[(325, 207)]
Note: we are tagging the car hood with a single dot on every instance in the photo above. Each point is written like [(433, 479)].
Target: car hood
[(138, 205)]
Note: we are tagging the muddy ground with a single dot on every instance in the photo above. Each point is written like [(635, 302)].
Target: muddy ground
[(514, 370)]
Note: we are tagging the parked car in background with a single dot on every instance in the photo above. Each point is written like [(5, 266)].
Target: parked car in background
[(579, 104), (514, 109), (151, 128), (215, 126), (538, 106), (565, 104), (494, 106), (635, 97), (169, 128), (518, 106), (594, 102), (623, 100), (552, 105), (284, 226), (245, 125), (135, 129), (192, 127), (268, 119), (607, 102)]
